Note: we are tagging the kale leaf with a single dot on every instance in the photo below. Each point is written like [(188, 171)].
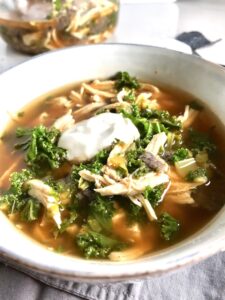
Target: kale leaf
[(94, 166), (154, 194), (180, 154), (164, 117), (198, 173), (133, 160), (135, 213), (31, 210), (201, 142), (68, 221), (123, 79), (169, 226), (150, 122), (16, 199), (143, 170), (96, 245), (43, 153), (130, 97), (143, 125), (102, 209)]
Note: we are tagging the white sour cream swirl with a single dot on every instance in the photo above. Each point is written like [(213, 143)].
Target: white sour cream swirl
[(86, 138)]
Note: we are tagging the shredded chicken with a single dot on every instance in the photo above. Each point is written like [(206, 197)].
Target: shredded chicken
[(165, 191), (180, 187), (116, 105), (135, 201), (180, 190), (94, 91), (180, 198), (44, 193), (130, 186), (157, 142), (114, 189), (116, 157), (121, 95), (76, 98), (87, 109), (89, 176), (188, 117), (143, 101), (61, 102), (64, 122), (149, 87), (97, 98), (179, 184), (111, 173), (106, 85), (147, 206), (43, 117), (131, 253), (108, 179)]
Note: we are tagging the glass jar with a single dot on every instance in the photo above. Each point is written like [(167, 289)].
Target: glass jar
[(35, 26)]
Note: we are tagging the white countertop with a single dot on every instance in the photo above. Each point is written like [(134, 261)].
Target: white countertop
[(145, 23)]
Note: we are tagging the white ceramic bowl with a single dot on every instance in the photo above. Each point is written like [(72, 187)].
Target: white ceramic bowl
[(41, 74)]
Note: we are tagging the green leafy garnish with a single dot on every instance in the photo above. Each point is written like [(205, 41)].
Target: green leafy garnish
[(150, 122), (17, 180), (201, 142), (143, 170), (169, 226), (133, 160), (102, 209), (154, 194), (59, 186), (68, 221), (31, 210), (57, 5), (96, 245), (16, 199), (164, 117), (143, 125), (123, 79), (130, 97), (42, 152), (94, 166), (180, 154), (196, 174)]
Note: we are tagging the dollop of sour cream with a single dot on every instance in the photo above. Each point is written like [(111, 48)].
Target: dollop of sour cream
[(86, 138)]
